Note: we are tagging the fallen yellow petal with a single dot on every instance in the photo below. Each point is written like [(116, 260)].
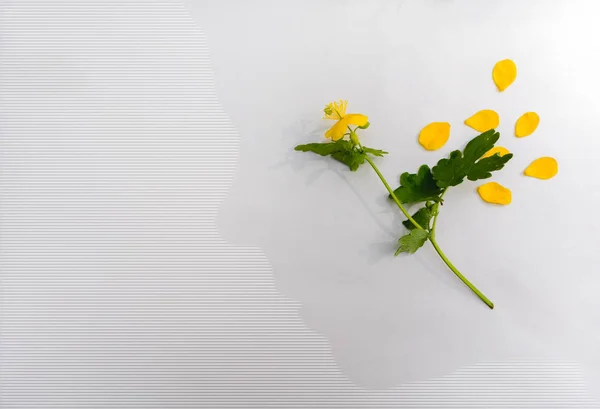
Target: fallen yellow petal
[(497, 149), (495, 193), (484, 120), (527, 124), (435, 135), (504, 74), (542, 168)]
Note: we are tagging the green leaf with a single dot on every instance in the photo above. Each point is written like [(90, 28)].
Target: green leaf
[(479, 145), (374, 152), (342, 151), (483, 168), (449, 172), (418, 187), (422, 216), (412, 242), (324, 149), (351, 158), (453, 170)]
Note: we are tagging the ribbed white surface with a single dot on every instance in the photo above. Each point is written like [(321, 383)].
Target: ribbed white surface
[(117, 291)]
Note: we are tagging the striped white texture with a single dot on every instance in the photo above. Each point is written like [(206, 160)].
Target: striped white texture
[(117, 290)]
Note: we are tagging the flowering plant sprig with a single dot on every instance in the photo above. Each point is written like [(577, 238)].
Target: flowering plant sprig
[(428, 186)]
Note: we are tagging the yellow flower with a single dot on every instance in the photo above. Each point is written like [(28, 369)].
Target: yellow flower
[(336, 111)]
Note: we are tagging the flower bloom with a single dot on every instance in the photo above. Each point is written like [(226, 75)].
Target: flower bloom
[(336, 111)]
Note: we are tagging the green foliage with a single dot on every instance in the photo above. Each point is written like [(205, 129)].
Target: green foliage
[(351, 158), (374, 152), (343, 151), (418, 187), (325, 149), (483, 168), (423, 216), (453, 170), (427, 185), (412, 242)]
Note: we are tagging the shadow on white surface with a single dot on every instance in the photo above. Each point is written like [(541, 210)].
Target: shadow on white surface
[(324, 229)]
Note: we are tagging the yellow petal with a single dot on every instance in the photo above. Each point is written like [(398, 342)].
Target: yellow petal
[(484, 120), (542, 168), (495, 193), (504, 74), (337, 131), (356, 119), (527, 124), (497, 149), (435, 135)]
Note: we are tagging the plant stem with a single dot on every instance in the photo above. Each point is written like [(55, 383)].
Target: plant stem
[(459, 275), (437, 212), (431, 237), (389, 189)]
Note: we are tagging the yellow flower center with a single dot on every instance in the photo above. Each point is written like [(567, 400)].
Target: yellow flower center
[(335, 110)]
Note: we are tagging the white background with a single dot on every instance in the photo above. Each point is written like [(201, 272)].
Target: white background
[(162, 245)]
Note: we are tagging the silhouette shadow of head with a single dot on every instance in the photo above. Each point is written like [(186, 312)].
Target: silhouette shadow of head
[(329, 234)]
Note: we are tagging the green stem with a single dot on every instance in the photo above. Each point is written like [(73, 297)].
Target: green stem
[(437, 212), (389, 189), (431, 237), (459, 275)]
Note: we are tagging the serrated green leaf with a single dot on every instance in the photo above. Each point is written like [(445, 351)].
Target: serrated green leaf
[(351, 158), (326, 148), (342, 151), (418, 187), (412, 242), (479, 145), (374, 152), (449, 172), (422, 216), (483, 168), (453, 170)]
